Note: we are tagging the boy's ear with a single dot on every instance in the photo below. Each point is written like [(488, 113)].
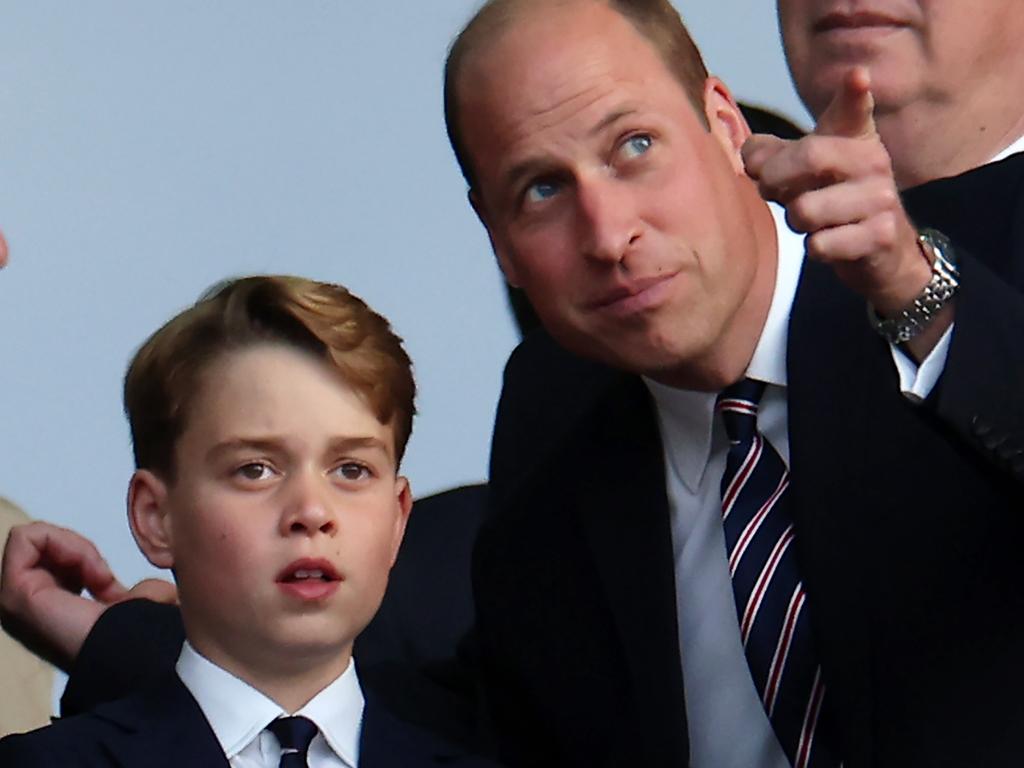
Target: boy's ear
[(726, 121), (504, 263), (403, 498), (149, 519)]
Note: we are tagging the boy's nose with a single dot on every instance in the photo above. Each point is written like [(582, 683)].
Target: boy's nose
[(307, 511)]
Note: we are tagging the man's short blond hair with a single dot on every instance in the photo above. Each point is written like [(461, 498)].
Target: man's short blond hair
[(656, 20)]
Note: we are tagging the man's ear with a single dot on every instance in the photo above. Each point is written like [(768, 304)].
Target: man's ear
[(500, 254), (725, 120), (149, 519), (403, 498)]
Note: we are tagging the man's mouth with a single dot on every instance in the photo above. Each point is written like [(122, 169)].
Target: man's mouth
[(858, 20), (636, 296)]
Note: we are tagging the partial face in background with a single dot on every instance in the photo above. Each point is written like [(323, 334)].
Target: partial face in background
[(285, 514), (916, 50), (605, 195)]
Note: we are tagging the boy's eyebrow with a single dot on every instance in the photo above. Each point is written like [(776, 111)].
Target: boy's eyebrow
[(342, 443), (337, 444), (267, 445)]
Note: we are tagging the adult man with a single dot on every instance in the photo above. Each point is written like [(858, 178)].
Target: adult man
[(945, 78), (607, 169)]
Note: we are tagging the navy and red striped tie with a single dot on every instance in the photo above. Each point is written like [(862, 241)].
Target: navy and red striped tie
[(770, 600)]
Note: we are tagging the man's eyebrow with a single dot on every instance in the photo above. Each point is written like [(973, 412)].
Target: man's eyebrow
[(534, 166), (611, 119)]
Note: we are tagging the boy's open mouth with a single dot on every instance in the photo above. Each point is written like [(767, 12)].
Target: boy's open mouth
[(309, 570)]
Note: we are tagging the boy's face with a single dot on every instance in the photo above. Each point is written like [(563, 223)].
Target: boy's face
[(285, 516)]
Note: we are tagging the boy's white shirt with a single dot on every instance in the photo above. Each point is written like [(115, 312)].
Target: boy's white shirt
[(238, 715)]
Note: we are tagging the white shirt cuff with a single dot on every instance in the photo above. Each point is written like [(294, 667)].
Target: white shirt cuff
[(917, 382)]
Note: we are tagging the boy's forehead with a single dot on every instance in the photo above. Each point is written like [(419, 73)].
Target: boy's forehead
[(275, 392)]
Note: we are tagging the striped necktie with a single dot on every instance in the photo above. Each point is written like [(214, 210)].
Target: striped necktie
[(295, 735), (770, 600)]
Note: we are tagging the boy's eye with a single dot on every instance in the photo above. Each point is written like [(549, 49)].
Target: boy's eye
[(254, 470), (352, 470), (637, 145)]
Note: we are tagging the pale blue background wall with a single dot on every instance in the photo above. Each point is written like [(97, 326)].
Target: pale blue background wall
[(148, 149)]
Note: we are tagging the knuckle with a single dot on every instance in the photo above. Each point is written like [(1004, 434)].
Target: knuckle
[(814, 155), (800, 214), (815, 246), (885, 230)]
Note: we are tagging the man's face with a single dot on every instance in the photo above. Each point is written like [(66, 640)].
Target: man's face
[(605, 196), (916, 50), (286, 512)]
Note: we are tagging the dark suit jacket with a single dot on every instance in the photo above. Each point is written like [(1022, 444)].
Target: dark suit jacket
[(163, 727), (908, 520)]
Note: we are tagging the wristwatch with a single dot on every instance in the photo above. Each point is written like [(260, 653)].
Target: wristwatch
[(910, 321)]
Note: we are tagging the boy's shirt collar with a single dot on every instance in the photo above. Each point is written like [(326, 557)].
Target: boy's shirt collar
[(238, 713)]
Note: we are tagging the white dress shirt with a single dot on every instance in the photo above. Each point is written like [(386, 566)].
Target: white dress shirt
[(728, 725), (238, 714), (1013, 149)]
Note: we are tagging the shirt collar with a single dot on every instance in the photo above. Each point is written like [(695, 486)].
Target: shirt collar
[(686, 416), (1014, 148), (338, 712), (237, 712)]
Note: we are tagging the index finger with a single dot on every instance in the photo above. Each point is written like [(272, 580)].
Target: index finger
[(851, 111)]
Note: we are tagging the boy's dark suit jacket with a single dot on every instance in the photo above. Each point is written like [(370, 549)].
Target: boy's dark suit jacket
[(909, 526), (163, 727)]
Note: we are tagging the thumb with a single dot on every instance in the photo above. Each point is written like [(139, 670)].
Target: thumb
[(851, 112)]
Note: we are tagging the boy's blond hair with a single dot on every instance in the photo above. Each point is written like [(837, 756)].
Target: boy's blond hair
[(322, 319)]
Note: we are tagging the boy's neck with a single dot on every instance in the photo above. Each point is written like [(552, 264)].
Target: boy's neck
[(290, 682)]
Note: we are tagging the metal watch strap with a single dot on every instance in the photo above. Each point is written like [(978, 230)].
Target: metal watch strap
[(908, 322)]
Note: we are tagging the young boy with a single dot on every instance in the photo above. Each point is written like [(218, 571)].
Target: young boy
[(268, 422)]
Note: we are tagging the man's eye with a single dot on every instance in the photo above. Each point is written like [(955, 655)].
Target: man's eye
[(254, 470), (352, 470), (541, 190), (637, 145)]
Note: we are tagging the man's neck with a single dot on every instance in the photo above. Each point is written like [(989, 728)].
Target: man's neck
[(928, 140), (727, 359)]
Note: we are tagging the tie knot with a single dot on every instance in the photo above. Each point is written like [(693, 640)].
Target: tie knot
[(738, 405), (294, 733)]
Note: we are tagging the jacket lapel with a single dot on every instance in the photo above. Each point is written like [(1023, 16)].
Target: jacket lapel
[(835, 367), (624, 511), (385, 741), (161, 728)]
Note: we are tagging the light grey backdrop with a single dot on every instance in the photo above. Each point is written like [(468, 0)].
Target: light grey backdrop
[(148, 149)]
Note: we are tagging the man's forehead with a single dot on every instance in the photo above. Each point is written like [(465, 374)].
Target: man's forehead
[(536, 73)]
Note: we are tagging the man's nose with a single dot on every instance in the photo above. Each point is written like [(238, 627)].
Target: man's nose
[(308, 509), (607, 215)]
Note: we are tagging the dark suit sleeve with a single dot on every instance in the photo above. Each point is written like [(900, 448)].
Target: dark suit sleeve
[(32, 750), (980, 394), (133, 645), (981, 391)]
